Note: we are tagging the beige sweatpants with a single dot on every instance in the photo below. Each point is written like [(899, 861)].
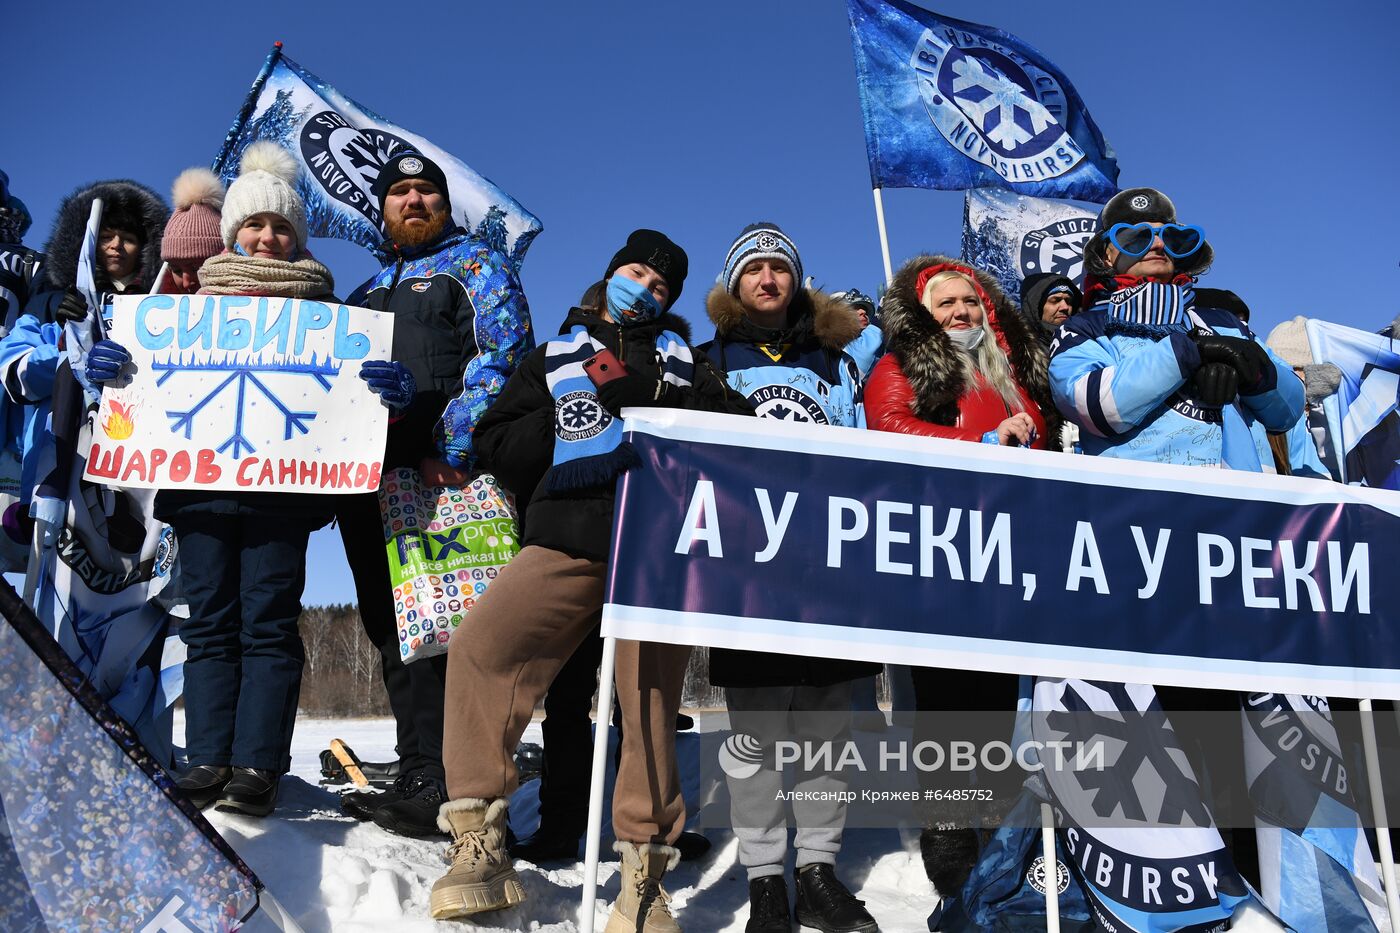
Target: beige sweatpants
[(501, 662)]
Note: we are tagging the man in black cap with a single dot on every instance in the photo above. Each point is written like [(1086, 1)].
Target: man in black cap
[(18, 263), (461, 327), (1047, 301), (554, 439)]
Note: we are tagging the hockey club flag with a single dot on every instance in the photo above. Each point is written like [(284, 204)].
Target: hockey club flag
[(954, 105), (1363, 423), (93, 833), (341, 146), (1012, 236)]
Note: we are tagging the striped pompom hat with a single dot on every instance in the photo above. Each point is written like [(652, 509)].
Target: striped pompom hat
[(760, 241)]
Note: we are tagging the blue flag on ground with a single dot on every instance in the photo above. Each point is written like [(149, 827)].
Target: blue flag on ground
[(341, 147), (1363, 424), (93, 834), (1012, 236), (953, 105)]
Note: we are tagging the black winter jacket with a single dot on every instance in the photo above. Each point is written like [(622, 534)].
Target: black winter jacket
[(515, 437)]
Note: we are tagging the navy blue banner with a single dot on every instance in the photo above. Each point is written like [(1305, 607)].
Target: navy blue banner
[(833, 542)]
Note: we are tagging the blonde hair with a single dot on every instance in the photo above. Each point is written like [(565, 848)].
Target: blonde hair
[(988, 365)]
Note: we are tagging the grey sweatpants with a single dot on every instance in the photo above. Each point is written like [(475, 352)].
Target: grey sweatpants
[(758, 812)]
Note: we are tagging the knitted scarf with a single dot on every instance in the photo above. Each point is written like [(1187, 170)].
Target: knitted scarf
[(588, 445), (232, 274)]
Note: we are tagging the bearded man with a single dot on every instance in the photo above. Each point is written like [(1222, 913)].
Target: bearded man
[(461, 327)]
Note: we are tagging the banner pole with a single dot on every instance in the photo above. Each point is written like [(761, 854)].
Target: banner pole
[(277, 913), (246, 111), (1052, 869), (160, 277), (884, 238), (595, 791), (1373, 777), (36, 560)]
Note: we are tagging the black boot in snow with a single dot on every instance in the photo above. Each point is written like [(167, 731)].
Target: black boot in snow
[(823, 903), (203, 783), (361, 804), (550, 843), (949, 855), (251, 791), (769, 911), (416, 813)]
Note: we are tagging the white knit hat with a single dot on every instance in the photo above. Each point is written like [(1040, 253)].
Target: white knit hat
[(1290, 341), (266, 184)]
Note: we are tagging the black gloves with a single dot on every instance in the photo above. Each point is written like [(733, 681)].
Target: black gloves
[(1246, 357), (1214, 385), (633, 390), (72, 308)]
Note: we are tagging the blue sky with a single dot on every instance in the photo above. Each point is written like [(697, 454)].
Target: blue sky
[(1271, 125)]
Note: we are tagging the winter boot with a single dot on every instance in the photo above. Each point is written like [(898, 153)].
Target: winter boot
[(414, 814), (642, 906), (250, 791), (949, 855), (202, 784), (552, 842), (823, 903), (481, 877), (769, 911)]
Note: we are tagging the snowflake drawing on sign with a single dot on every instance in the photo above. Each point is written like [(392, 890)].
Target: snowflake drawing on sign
[(1001, 94), (247, 378)]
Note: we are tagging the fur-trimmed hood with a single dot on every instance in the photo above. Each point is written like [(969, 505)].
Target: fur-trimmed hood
[(128, 199), (930, 360), (834, 323)]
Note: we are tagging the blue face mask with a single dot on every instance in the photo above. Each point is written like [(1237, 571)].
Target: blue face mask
[(631, 302)]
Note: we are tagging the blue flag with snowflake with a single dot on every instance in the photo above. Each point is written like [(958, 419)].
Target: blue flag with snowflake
[(951, 104), (1012, 236), (1363, 420), (341, 146)]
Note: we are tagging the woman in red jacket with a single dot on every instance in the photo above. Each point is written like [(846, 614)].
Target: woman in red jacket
[(961, 364)]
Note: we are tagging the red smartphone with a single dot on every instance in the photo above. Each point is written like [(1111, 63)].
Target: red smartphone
[(603, 367)]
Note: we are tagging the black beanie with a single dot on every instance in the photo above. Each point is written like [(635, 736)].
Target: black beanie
[(410, 164), (651, 248)]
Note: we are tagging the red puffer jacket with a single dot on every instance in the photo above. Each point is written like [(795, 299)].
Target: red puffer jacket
[(889, 406)]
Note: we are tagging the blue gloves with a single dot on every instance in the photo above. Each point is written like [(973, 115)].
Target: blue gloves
[(391, 381), (105, 361)]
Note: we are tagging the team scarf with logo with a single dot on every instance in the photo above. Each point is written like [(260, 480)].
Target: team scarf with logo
[(588, 445)]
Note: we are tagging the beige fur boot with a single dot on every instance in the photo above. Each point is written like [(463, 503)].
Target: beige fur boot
[(481, 876), (642, 906)]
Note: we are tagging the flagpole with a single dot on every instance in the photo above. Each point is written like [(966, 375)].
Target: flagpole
[(1051, 866), (884, 238), (607, 667), (1373, 778), (248, 104)]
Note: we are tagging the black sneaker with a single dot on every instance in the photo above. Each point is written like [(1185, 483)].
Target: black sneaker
[(769, 911), (361, 804), (251, 791), (203, 783), (550, 843), (380, 774), (415, 814), (823, 903)]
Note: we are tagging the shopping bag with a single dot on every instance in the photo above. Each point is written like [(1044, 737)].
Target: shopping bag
[(445, 544)]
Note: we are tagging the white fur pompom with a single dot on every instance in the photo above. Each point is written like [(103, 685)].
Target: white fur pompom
[(197, 186), (271, 158)]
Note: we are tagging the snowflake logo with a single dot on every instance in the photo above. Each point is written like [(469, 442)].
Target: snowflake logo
[(578, 416), (982, 94), (247, 380), (767, 242)]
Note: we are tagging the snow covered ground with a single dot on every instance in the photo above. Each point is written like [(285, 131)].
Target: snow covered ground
[(333, 873)]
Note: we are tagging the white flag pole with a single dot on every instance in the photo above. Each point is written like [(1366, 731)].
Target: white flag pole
[(1373, 778), (1052, 869), (884, 237), (160, 277), (595, 791)]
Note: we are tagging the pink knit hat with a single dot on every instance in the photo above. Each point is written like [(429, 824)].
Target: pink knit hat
[(193, 230)]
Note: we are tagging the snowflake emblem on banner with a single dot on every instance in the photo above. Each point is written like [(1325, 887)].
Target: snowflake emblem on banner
[(982, 93), (246, 382)]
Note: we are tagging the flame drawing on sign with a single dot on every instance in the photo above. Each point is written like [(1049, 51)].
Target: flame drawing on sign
[(121, 420)]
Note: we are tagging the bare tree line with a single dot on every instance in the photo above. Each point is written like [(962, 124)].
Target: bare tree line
[(341, 678)]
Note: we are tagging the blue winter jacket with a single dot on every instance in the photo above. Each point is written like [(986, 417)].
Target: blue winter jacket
[(1124, 384), (461, 326)]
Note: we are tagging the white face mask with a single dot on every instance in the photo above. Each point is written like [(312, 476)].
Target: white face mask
[(969, 338)]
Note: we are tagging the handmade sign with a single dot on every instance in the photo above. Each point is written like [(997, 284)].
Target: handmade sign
[(234, 392), (445, 545)]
